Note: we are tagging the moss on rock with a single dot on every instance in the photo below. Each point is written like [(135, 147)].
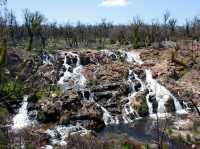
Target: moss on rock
[(140, 105)]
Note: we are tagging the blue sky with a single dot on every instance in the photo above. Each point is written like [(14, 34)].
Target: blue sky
[(116, 11)]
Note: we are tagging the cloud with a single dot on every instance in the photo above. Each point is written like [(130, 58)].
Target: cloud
[(114, 3)]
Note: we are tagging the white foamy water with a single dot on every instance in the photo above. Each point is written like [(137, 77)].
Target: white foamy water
[(161, 93), (134, 57), (78, 79), (107, 117), (60, 133), (21, 119)]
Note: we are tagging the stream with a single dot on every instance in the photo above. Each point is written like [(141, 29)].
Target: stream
[(131, 124)]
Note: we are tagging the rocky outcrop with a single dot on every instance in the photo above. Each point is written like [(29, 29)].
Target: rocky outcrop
[(45, 75), (69, 109), (90, 116)]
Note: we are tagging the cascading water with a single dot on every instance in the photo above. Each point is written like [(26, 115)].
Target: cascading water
[(46, 58), (21, 119), (74, 75), (60, 133), (133, 57), (161, 93), (129, 112)]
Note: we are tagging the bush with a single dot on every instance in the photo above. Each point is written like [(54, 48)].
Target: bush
[(57, 90), (41, 93), (12, 89), (3, 140), (188, 137), (3, 47), (127, 146), (92, 82), (3, 115), (29, 146)]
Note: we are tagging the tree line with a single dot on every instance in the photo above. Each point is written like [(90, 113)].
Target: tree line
[(36, 31)]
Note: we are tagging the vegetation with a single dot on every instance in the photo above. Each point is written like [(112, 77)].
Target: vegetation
[(11, 89), (3, 115), (3, 48), (3, 140), (39, 33), (41, 92)]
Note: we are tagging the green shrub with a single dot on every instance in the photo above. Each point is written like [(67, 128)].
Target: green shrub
[(146, 146), (165, 146), (127, 146), (169, 131), (3, 115), (3, 140), (92, 82), (188, 137), (57, 90), (11, 89), (29, 146), (41, 93), (3, 47)]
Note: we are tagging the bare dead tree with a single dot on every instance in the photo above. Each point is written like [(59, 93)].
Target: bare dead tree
[(33, 22)]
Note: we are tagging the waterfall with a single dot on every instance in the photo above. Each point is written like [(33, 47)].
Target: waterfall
[(60, 133), (129, 112), (46, 58), (107, 118), (76, 76), (21, 119), (133, 56), (161, 93)]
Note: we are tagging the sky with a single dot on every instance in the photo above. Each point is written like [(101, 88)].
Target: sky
[(115, 11)]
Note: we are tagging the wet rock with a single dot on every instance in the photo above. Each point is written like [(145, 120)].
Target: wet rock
[(48, 111), (169, 105), (137, 85), (90, 116), (152, 99), (65, 118), (139, 104), (90, 110), (71, 101), (105, 94), (90, 57)]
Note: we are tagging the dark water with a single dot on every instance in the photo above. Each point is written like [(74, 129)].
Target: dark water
[(145, 131)]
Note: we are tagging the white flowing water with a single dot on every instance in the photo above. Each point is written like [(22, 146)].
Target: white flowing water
[(133, 57), (78, 79), (46, 58), (60, 133), (21, 119), (107, 117), (128, 109), (161, 93)]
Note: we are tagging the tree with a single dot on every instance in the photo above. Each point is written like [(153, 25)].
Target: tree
[(33, 22), (187, 28), (12, 25), (136, 26), (172, 26), (3, 40), (166, 17)]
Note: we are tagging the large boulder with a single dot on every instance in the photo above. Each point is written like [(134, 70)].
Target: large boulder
[(169, 105), (90, 115), (139, 104), (110, 72), (49, 111), (45, 75)]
